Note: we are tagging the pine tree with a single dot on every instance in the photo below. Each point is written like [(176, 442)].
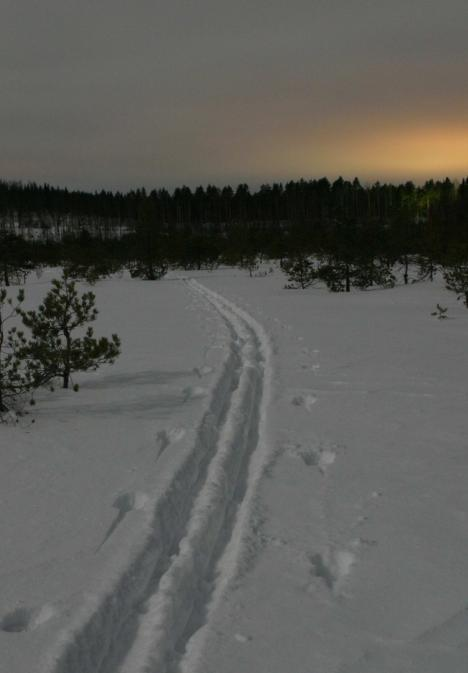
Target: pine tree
[(371, 272), (337, 275), (54, 350), (301, 271), (456, 279), (15, 263), (149, 258), (15, 376)]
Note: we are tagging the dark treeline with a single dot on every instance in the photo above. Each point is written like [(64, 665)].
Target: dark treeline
[(302, 202), (356, 234)]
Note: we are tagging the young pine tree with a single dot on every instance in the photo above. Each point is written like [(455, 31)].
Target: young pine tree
[(301, 270), (55, 351), (15, 375), (148, 258), (15, 262), (456, 279)]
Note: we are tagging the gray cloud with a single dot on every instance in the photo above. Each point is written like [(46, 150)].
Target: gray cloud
[(121, 93)]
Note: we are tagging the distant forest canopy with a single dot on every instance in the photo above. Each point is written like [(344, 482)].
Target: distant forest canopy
[(58, 211), (341, 232)]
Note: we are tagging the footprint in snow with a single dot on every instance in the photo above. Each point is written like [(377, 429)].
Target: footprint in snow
[(192, 393), (322, 458), (176, 434), (202, 371), (124, 503), (26, 619), (333, 567), (241, 638), (309, 457), (306, 401), (162, 441), (166, 437), (16, 621), (326, 458)]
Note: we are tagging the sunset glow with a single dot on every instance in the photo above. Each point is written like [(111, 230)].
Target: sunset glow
[(383, 152), (417, 151)]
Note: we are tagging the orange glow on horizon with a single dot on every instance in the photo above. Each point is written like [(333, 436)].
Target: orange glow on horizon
[(382, 153), (420, 151)]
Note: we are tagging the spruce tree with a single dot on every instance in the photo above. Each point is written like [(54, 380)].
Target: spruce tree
[(54, 350)]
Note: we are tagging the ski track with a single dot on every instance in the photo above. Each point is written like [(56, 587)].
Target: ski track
[(156, 615)]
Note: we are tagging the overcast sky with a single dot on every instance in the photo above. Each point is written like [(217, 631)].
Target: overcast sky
[(118, 94)]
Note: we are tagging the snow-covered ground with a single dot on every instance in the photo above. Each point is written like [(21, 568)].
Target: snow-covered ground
[(267, 480)]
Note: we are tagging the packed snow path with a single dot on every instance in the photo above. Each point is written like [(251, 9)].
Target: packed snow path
[(153, 619)]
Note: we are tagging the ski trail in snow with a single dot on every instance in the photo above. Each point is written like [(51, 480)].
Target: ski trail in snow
[(171, 635), (261, 451), (154, 617)]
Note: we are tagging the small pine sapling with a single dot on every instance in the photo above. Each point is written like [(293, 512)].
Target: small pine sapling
[(250, 262), (54, 350)]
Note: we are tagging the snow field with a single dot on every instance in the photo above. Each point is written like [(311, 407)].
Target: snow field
[(102, 642), (364, 511), (148, 616), (82, 473), (168, 524)]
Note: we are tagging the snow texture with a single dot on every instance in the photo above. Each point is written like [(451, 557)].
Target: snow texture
[(265, 481)]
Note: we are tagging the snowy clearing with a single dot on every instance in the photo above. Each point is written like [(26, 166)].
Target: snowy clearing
[(267, 480)]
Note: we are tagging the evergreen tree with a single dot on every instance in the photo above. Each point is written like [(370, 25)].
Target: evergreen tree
[(54, 350), (250, 262), (337, 274), (427, 267), (456, 279), (371, 272), (149, 260), (15, 376), (301, 270), (96, 233), (15, 263)]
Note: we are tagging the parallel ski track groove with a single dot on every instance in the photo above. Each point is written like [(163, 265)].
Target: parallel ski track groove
[(146, 621)]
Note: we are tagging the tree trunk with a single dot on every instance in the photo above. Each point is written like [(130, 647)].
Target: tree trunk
[(2, 405), (66, 360)]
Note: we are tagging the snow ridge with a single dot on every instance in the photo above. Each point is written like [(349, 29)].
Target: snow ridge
[(147, 620)]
